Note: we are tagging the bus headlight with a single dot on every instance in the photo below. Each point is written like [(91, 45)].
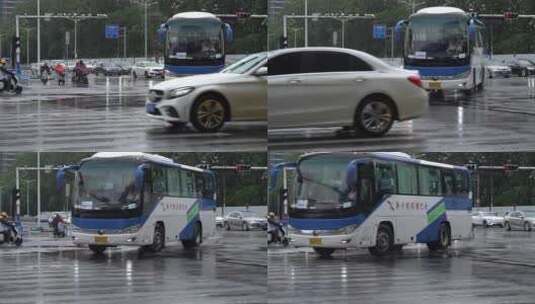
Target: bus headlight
[(131, 229), (347, 229), (180, 92)]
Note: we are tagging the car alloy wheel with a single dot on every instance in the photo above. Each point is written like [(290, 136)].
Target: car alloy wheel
[(376, 117), (209, 115)]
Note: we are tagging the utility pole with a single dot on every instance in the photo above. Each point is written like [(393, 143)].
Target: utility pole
[(306, 23), (28, 198), (1, 37), (38, 31)]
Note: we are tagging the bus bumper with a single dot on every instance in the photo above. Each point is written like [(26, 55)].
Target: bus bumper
[(447, 85), (126, 239), (325, 241)]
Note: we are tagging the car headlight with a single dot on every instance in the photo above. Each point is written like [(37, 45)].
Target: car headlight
[(181, 92)]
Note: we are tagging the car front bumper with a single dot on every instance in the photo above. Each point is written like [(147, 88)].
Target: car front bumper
[(170, 110)]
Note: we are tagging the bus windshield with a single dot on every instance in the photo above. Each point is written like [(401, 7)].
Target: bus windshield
[(107, 187), (194, 39), (322, 184), (246, 64), (436, 37)]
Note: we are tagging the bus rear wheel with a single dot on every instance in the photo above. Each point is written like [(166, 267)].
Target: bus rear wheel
[(97, 249), (384, 241), (197, 240), (444, 239), (324, 252)]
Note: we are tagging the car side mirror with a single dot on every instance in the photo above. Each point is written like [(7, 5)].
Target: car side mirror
[(261, 72)]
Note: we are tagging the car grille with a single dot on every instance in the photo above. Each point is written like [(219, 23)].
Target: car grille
[(156, 95), (171, 112)]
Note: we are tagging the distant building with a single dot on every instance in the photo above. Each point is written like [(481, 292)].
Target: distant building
[(7, 7), (275, 7), (7, 159)]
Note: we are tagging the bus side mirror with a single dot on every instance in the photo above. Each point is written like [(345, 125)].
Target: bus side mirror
[(162, 33), (139, 176), (60, 176), (399, 31), (472, 30), (351, 175), (228, 33)]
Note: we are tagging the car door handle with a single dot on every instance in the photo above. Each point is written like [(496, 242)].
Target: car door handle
[(295, 81), (359, 80)]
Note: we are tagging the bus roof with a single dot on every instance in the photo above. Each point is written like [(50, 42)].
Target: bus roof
[(436, 10), (194, 15), (154, 158), (394, 156)]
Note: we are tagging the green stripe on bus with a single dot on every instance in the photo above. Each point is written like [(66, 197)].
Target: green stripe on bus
[(437, 212), (193, 211)]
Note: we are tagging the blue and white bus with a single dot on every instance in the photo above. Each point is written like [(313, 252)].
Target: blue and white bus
[(379, 201), (194, 43), (140, 199), (447, 46)]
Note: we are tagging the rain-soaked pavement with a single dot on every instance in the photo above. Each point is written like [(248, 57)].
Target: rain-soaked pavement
[(497, 266), (107, 115), (229, 269), (500, 118)]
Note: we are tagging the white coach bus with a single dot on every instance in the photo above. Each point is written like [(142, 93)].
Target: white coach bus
[(379, 201), (140, 199)]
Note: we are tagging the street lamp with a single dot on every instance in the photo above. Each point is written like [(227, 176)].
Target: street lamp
[(146, 4)]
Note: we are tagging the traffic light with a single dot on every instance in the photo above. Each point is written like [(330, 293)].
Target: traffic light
[(16, 194), (510, 15), (242, 168), (471, 167), (283, 42), (510, 167), (243, 15)]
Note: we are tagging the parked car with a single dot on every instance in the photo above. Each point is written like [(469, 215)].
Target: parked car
[(487, 219), (148, 69), (522, 67), (495, 71), (335, 87), (219, 221), (109, 69), (523, 220), (245, 221), (238, 93)]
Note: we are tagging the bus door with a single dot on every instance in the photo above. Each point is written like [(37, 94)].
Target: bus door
[(366, 187)]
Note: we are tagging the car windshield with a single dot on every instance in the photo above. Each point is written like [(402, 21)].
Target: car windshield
[(432, 37), (248, 214), (106, 185), (322, 184), (246, 64), (194, 39)]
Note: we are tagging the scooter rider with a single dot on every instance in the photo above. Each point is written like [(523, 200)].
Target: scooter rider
[(56, 223), (8, 228), (10, 77), (275, 229), (45, 68)]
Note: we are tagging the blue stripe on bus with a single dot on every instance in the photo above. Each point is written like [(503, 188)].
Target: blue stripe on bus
[(431, 232), (193, 70), (111, 224), (326, 224), (188, 233), (439, 71)]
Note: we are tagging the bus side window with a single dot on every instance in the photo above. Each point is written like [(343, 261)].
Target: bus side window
[(429, 181), (386, 179), (407, 179), (448, 183), (173, 182), (200, 185), (187, 184), (159, 181), (365, 186), (461, 184)]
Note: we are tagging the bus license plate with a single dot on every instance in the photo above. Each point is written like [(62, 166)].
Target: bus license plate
[(315, 241), (435, 85), (101, 240)]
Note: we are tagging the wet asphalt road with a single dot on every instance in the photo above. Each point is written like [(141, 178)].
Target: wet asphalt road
[(500, 118), (230, 269), (108, 115), (497, 266)]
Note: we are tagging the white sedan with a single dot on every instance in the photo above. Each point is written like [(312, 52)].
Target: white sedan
[(335, 87), (148, 69), (487, 219), (238, 93)]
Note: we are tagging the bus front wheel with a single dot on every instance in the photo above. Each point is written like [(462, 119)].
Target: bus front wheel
[(324, 252), (444, 239), (197, 240), (384, 242), (97, 249), (158, 241)]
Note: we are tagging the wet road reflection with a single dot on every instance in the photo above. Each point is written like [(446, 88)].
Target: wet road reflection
[(496, 267), (230, 270)]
